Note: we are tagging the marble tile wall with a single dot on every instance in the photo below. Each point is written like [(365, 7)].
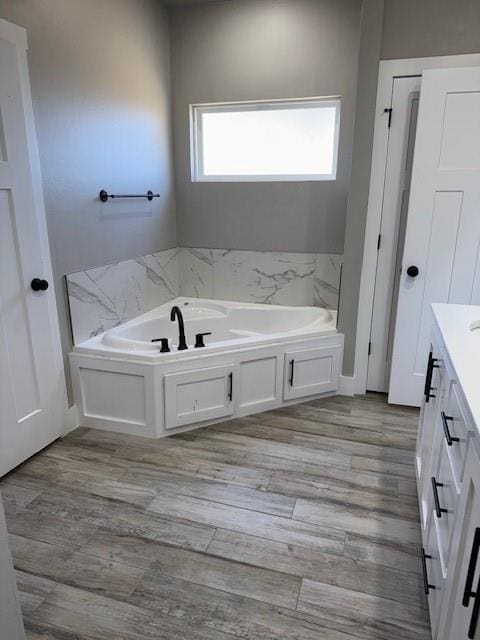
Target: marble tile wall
[(104, 297)]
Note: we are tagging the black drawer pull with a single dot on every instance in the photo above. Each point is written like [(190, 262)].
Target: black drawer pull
[(292, 368), (230, 387), (428, 377), (448, 437), (468, 593), (438, 509), (426, 586)]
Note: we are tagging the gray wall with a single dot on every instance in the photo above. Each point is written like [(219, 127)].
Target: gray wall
[(370, 43), (415, 29), (100, 76), (259, 49)]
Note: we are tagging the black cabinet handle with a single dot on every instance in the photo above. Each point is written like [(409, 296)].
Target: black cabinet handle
[(230, 387), (428, 377), (426, 586), (39, 285), (448, 437), (292, 367), (468, 593), (438, 508)]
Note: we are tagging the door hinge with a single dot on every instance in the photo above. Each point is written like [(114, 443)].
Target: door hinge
[(379, 240), (389, 111), (369, 348)]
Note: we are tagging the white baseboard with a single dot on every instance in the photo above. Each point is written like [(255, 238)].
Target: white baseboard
[(347, 386), (71, 421)]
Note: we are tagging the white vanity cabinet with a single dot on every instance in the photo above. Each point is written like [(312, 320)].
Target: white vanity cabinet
[(448, 475)]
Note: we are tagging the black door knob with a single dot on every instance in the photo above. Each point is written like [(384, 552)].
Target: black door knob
[(39, 285), (412, 271)]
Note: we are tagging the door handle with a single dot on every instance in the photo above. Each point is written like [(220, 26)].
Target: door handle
[(413, 271), (230, 387), (39, 285), (468, 593), (448, 437), (438, 508)]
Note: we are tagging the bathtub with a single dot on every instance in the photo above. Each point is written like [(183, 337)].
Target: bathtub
[(258, 357)]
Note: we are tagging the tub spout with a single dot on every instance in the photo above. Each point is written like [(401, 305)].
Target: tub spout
[(176, 314)]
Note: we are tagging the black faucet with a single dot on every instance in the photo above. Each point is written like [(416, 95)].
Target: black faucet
[(176, 314)]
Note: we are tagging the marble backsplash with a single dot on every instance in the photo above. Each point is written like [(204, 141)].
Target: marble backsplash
[(104, 297)]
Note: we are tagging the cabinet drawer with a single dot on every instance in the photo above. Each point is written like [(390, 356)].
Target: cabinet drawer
[(433, 576), (198, 395), (445, 501), (455, 432)]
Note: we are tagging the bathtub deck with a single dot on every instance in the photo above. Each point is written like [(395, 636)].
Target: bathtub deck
[(298, 524)]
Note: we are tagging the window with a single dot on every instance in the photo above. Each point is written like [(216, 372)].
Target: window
[(277, 140)]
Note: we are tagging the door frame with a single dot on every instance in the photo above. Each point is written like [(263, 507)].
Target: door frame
[(18, 37), (388, 70)]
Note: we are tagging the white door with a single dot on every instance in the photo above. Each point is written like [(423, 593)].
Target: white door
[(32, 388), (441, 260), (396, 190)]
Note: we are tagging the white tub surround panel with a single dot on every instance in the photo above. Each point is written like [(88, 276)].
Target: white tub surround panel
[(326, 284), (248, 276), (105, 297)]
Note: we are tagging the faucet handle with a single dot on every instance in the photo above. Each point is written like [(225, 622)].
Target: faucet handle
[(164, 344), (199, 338)]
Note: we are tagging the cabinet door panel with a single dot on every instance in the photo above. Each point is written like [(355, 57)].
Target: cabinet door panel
[(457, 429), (429, 437), (259, 384), (311, 371), (446, 490), (461, 623), (198, 395), (434, 575)]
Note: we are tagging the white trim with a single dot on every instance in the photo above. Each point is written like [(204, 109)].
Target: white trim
[(389, 69), (196, 137), (72, 419), (347, 386), (13, 33)]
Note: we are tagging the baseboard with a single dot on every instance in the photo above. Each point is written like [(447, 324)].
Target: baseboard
[(71, 421), (347, 386)]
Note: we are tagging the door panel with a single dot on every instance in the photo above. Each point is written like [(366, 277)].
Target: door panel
[(443, 228), (396, 192), (198, 395), (32, 388), (311, 371)]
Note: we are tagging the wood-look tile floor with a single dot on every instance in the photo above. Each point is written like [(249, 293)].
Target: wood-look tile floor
[(298, 524)]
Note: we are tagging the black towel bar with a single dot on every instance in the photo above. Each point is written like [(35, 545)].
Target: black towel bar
[(104, 195)]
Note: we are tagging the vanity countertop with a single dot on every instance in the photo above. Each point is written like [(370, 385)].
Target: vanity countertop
[(455, 322)]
